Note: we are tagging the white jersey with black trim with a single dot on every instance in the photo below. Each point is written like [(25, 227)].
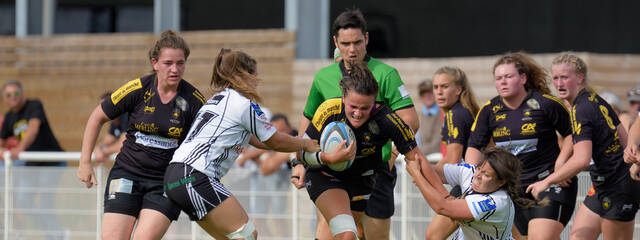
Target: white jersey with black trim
[(221, 130), (493, 213)]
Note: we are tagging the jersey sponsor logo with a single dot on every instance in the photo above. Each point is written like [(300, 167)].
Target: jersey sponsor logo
[(148, 109), (148, 95), (175, 132), (466, 165), (533, 103), (199, 96), (591, 191), (259, 112), (125, 89), (592, 97), (361, 197), (519, 146), (496, 108), (19, 128), (155, 141), (368, 151), (527, 115), (147, 127), (485, 205), (501, 132), (528, 129), (403, 91), (175, 115), (575, 126), (501, 117), (327, 109), (613, 148), (452, 131)]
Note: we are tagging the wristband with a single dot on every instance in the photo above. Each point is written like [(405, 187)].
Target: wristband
[(312, 159), (295, 162)]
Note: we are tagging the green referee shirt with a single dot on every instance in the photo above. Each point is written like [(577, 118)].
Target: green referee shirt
[(326, 85)]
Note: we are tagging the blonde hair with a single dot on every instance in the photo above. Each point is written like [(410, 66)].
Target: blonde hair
[(232, 69), (574, 61), (466, 98), (537, 77)]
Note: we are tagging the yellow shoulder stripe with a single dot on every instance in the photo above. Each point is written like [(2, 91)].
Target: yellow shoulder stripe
[(125, 89), (327, 109), (199, 96), (554, 98), (473, 127)]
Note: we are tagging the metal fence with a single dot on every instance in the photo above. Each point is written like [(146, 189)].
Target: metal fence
[(50, 203)]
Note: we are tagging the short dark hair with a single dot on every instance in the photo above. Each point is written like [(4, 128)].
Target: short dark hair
[(350, 18), (360, 80), (12, 82), (279, 116)]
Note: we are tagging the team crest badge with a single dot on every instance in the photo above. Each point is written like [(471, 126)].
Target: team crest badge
[(373, 128), (534, 104), (181, 103), (606, 203)]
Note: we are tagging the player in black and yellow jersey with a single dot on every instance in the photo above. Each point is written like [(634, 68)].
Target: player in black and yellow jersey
[(341, 195), (454, 95), (598, 143), (161, 108), (525, 119)]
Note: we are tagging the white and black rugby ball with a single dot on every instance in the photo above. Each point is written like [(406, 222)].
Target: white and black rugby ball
[(332, 135)]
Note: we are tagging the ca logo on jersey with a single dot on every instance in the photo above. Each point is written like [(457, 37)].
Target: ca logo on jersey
[(501, 117), (496, 108), (528, 129), (148, 109), (175, 131)]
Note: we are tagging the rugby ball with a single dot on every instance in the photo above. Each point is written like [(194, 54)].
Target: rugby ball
[(332, 135)]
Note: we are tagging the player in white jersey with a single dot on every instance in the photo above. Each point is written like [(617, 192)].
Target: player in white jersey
[(227, 122), (485, 210)]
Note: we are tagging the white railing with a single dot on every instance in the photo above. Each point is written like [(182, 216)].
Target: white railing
[(273, 219)]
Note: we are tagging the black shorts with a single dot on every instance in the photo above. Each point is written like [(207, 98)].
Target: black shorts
[(193, 191), (381, 203), (372, 194), (359, 188), (561, 205), (127, 193), (617, 201)]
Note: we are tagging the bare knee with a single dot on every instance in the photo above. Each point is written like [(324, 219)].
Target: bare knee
[(345, 236)]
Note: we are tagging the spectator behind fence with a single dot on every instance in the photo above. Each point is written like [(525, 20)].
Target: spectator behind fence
[(274, 174), (633, 96), (112, 142), (430, 116), (27, 122)]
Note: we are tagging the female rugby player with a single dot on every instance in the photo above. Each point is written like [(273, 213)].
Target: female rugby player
[(525, 120)]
